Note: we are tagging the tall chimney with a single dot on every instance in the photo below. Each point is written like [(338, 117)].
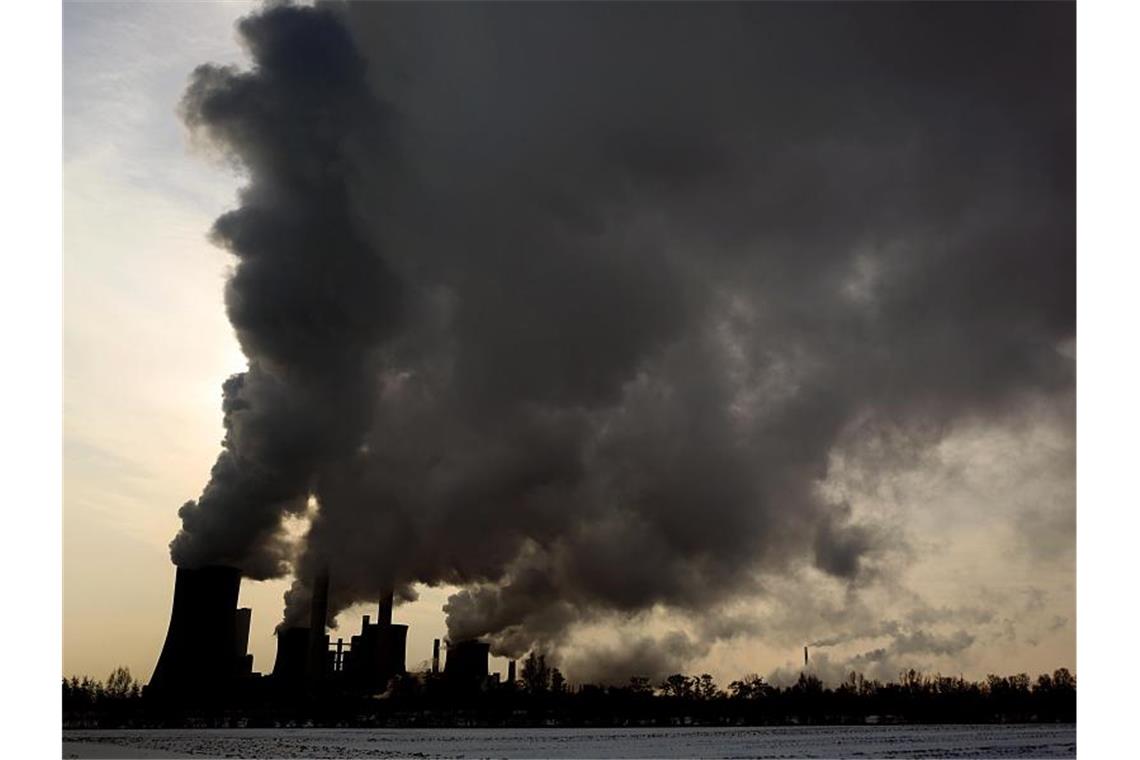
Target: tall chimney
[(435, 656), (805, 657), (385, 616), (511, 672), (318, 616)]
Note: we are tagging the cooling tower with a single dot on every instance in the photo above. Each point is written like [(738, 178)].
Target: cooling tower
[(467, 662), (292, 655), (201, 651)]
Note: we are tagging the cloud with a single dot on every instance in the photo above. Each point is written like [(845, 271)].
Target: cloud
[(646, 656), (573, 310)]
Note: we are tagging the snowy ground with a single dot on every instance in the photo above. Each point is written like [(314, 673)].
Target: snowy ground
[(826, 741)]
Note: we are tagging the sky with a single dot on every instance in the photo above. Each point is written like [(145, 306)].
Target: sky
[(835, 279)]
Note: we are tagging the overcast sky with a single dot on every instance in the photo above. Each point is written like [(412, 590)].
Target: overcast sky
[(928, 212)]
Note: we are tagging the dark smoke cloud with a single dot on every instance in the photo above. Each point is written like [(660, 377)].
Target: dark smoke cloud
[(309, 298), (643, 270)]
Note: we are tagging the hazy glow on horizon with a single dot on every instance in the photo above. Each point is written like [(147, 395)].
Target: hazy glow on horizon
[(147, 345)]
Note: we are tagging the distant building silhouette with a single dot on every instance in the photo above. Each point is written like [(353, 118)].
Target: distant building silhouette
[(378, 652), (205, 652)]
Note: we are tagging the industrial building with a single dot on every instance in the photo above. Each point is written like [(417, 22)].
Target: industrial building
[(366, 662), (206, 643)]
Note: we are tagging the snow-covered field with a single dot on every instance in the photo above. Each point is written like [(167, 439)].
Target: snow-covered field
[(795, 741)]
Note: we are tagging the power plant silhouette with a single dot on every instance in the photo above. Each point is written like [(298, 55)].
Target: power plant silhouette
[(206, 643)]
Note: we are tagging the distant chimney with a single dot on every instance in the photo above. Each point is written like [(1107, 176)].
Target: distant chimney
[(435, 656), (385, 616), (805, 657), (511, 672)]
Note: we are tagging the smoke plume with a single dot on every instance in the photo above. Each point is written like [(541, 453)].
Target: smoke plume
[(569, 305), (309, 298)]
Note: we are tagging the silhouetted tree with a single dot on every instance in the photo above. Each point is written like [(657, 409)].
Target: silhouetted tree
[(808, 684), (705, 687), (119, 683), (640, 685), (751, 686), (535, 673), (431, 700), (678, 686)]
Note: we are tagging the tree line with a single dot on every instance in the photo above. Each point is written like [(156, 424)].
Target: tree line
[(91, 700), (541, 696)]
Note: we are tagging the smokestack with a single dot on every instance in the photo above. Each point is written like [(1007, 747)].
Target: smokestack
[(805, 657), (385, 616), (511, 672), (435, 656), (318, 615)]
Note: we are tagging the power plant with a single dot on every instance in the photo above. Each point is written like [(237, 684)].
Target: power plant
[(206, 643)]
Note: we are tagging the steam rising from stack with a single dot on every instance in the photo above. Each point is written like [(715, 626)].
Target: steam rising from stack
[(571, 309)]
